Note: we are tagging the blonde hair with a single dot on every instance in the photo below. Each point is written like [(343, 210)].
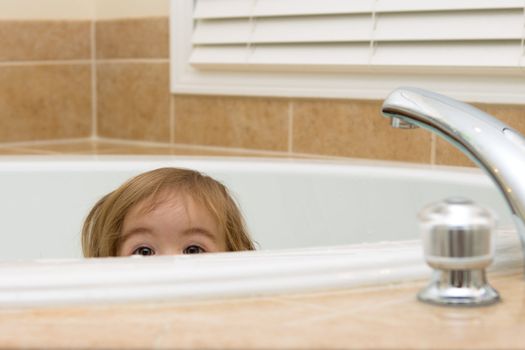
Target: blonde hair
[(101, 232)]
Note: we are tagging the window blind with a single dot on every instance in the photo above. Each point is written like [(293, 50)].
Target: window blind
[(342, 35)]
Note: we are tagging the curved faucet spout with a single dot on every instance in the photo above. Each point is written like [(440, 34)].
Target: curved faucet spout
[(491, 144)]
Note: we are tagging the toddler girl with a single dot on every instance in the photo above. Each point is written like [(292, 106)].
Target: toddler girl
[(165, 211)]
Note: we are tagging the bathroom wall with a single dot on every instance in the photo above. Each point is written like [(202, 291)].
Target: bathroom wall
[(45, 70), (99, 69), (132, 52)]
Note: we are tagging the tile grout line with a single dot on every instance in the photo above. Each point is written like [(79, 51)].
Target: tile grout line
[(123, 142), (84, 61), (134, 60), (172, 119), (188, 146), (290, 126), (46, 63), (94, 99)]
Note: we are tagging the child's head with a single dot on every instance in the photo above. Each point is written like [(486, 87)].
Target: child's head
[(165, 211)]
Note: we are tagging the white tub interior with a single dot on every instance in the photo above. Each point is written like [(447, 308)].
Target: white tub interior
[(287, 204), (319, 224)]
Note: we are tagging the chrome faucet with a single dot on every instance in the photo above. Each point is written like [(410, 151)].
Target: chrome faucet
[(492, 145)]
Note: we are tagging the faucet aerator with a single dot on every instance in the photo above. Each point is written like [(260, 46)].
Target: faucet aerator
[(399, 123)]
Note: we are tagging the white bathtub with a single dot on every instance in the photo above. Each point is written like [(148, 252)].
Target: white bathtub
[(319, 225)]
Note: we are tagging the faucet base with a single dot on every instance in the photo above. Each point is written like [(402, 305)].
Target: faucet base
[(459, 288)]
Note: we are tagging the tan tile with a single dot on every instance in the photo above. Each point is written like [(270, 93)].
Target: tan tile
[(133, 38), (354, 129), (243, 122), (45, 102), (446, 154), (133, 101), (513, 115), (44, 40)]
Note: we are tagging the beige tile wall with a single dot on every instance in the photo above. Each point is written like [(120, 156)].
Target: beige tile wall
[(354, 129), (45, 102), (45, 80), (133, 101), (44, 40), (133, 96), (253, 123), (133, 38), (110, 79)]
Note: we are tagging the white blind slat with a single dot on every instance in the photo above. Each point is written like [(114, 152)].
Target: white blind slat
[(448, 5), (218, 56), (283, 30), (312, 55), (325, 57), (460, 54), (213, 9), (312, 29), (474, 25), (271, 8), (222, 9), (233, 31)]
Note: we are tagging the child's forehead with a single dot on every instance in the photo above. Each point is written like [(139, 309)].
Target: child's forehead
[(176, 196)]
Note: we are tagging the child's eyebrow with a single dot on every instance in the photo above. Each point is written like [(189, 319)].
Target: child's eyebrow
[(200, 231), (136, 230)]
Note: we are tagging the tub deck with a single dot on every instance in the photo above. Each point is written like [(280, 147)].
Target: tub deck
[(116, 147), (371, 318)]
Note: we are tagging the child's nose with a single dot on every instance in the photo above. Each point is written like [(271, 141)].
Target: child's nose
[(170, 251)]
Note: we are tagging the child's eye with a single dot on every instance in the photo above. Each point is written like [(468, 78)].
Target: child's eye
[(145, 251), (193, 249)]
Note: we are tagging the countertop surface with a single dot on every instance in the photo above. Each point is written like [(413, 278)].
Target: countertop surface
[(387, 317)]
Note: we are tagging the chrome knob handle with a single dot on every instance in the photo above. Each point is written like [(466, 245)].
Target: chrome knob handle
[(457, 241)]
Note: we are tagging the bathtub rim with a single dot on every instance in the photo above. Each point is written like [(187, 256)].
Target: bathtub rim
[(142, 162), (225, 275)]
